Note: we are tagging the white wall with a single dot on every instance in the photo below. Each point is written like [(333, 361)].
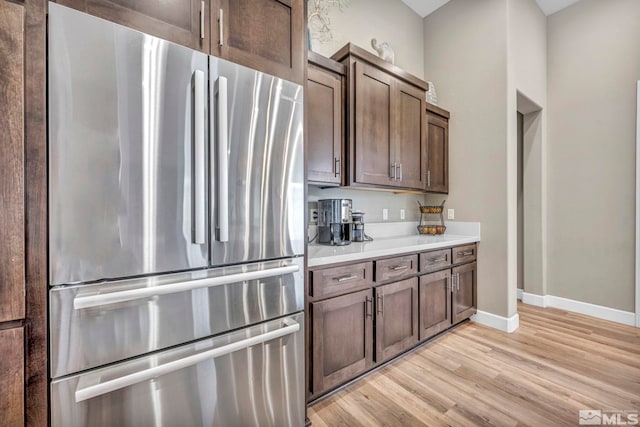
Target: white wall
[(385, 20), (466, 57), (593, 66), (527, 51)]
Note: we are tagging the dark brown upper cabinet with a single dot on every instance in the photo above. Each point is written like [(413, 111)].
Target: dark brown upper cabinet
[(437, 149), (324, 116), (266, 35), (386, 124), (184, 22)]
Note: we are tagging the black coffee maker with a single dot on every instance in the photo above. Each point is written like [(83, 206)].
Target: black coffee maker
[(334, 221)]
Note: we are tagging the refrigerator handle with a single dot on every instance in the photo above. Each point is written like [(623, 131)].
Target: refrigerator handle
[(222, 232), (199, 158), (289, 327)]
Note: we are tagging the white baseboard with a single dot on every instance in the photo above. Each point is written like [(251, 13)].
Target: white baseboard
[(598, 311), (537, 300), (519, 294), (505, 324)]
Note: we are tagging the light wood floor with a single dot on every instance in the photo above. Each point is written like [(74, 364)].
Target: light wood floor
[(555, 364)]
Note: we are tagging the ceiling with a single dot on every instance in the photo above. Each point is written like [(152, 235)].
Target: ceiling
[(425, 7)]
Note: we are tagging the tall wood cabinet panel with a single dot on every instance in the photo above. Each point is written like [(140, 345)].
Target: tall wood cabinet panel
[(435, 303), (465, 292), (342, 339), (12, 236), (267, 35), (184, 22), (410, 155), (396, 318), (373, 145), (324, 119), (12, 375), (437, 149)]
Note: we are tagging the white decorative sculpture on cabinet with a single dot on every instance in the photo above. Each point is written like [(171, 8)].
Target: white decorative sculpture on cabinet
[(385, 51)]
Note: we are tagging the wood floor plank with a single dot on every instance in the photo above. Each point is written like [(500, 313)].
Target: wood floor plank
[(555, 364)]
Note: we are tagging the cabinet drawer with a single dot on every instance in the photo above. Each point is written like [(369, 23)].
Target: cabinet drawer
[(396, 268), (435, 260), (465, 253), (340, 280)]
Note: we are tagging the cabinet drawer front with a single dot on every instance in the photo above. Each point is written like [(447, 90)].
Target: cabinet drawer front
[(340, 280), (396, 268), (435, 260), (465, 253)]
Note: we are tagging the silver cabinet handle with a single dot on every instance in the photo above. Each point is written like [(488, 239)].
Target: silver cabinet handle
[(393, 170), (444, 258), (429, 178), (199, 159), (81, 394), (368, 312), (400, 172), (465, 253), (202, 19), (336, 166), (380, 304), (221, 28), (222, 234), (81, 302), (450, 283), (399, 267), (345, 278), (458, 281)]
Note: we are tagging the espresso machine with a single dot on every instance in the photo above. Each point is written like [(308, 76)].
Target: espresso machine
[(334, 221)]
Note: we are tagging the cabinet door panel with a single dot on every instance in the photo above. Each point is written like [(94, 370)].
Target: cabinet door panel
[(396, 318), (435, 303), (465, 293), (324, 126), (409, 137), (342, 338), (177, 21), (373, 126), (12, 377), (437, 154), (12, 274), (266, 35)]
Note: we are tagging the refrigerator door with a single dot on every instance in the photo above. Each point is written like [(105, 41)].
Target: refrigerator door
[(251, 377), (127, 151), (92, 325), (257, 181)]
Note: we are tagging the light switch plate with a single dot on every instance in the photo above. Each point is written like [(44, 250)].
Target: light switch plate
[(451, 214), (385, 214), (401, 213)]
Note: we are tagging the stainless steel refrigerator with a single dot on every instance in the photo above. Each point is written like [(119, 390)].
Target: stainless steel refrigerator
[(176, 234)]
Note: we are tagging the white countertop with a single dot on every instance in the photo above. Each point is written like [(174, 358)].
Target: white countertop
[(324, 254)]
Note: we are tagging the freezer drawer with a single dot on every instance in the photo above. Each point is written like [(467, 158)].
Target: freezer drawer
[(252, 377), (92, 325)]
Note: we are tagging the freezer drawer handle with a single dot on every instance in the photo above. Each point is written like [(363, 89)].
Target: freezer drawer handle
[(88, 301), (290, 327)]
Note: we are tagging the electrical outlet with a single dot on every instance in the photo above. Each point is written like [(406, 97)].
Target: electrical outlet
[(313, 216), (385, 214), (451, 214), (401, 213)]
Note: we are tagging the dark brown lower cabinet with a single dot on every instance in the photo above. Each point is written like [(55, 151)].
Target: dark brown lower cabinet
[(12, 377), (464, 291), (396, 318), (435, 303), (342, 339)]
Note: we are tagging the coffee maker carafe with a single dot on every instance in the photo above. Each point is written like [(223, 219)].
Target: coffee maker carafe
[(334, 221)]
